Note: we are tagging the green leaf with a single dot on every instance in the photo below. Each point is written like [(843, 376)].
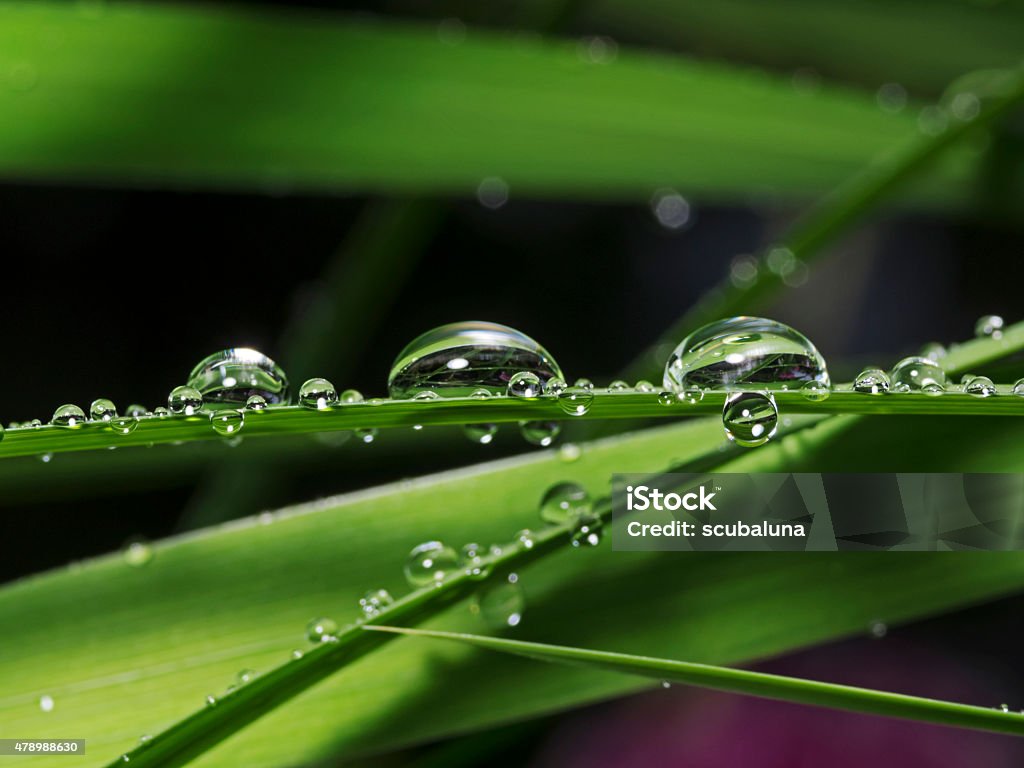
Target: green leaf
[(760, 684), (235, 97)]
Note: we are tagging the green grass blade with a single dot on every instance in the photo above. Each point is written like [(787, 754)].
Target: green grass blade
[(760, 684), (236, 97)]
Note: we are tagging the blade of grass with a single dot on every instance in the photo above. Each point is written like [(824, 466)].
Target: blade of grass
[(767, 686)]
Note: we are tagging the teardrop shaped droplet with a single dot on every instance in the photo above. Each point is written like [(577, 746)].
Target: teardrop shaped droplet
[(321, 630), (502, 604), (542, 433), (227, 379), (980, 386), (918, 374), (989, 326), (69, 415), (644, 386), (743, 351), (750, 418), (184, 401), (46, 703), (428, 563), (587, 531), (471, 560), (245, 676), (481, 433), (374, 601), (456, 359), (227, 423), (871, 381), (366, 434), (102, 410), (576, 401), (319, 394), (564, 502)]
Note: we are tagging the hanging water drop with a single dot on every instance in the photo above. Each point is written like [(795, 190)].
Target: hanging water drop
[(750, 418), (871, 381), (227, 423), (184, 401), (933, 351), (584, 384), (374, 601), (525, 384), (318, 393), (918, 374), (667, 398), (70, 416), (244, 676), (458, 359), (429, 563), (102, 410), (161, 412), (587, 531), (980, 386), (989, 326), (502, 605), (576, 400), (124, 425), (137, 553), (211, 700), (565, 502), (256, 403), (227, 379), (471, 560), (480, 433), (743, 351), (321, 630), (542, 433)]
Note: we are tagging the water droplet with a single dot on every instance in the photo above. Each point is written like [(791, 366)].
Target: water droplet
[(102, 410), (670, 209), (932, 120), (161, 412), (584, 384), (318, 393), (69, 415), (502, 604), (227, 379), (374, 601), (750, 418), (46, 458), (644, 387), (525, 384), (554, 386), (740, 351), (542, 433), (872, 381), (429, 563), (587, 531), (526, 538), (576, 401), (137, 553), (124, 425), (46, 703), (211, 700), (989, 326), (366, 434), (321, 630), (618, 386), (185, 401), (296, 654), (480, 433), (256, 403), (569, 452), (667, 398), (227, 423), (918, 374), (1018, 388), (351, 396), (744, 271), (471, 560), (245, 675), (666, 684), (980, 386), (891, 97), (933, 351), (814, 391), (492, 192), (564, 503), (878, 629), (459, 359)]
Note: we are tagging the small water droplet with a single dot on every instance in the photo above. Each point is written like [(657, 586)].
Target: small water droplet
[(184, 401), (366, 434), (429, 563), (740, 351), (670, 209), (872, 381), (145, 738), (542, 433), (965, 106), (878, 629), (576, 400), (137, 553), (569, 452), (554, 386), (244, 676), (814, 391), (502, 605), (480, 433), (124, 425), (744, 271), (228, 378), (459, 359), (321, 630), (319, 394), (989, 326), (618, 386), (69, 415), (564, 503), (350, 396), (980, 386), (918, 374), (126, 758), (750, 419), (46, 703), (227, 423), (211, 700), (483, 394), (492, 192), (161, 412), (525, 384), (374, 601), (1004, 707), (102, 410), (1018, 388), (666, 684), (256, 403)]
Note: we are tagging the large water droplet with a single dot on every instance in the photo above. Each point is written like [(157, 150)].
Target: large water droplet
[(318, 393), (918, 374), (502, 605), (227, 423), (989, 326), (480, 433), (102, 410), (68, 415), (458, 359), (428, 563), (542, 433), (227, 379), (321, 630), (872, 381), (185, 401), (743, 351), (750, 418), (374, 601), (564, 502), (814, 391), (979, 386)]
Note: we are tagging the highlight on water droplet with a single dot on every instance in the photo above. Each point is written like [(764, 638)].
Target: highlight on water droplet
[(68, 415), (460, 359), (542, 433), (429, 563), (228, 378), (670, 209), (184, 401), (321, 630), (989, 326), (124, 425), (480, 433), (979, 386), (227, 423), (576, 400), (102, 409), (565, 502), (502, 605), (46, 703), (245, 676), (137, 552), (742, 351), (750, 419), (871, 381), (374, 601), (918, 374), (211, 700), (319, 394), (525, 384)]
